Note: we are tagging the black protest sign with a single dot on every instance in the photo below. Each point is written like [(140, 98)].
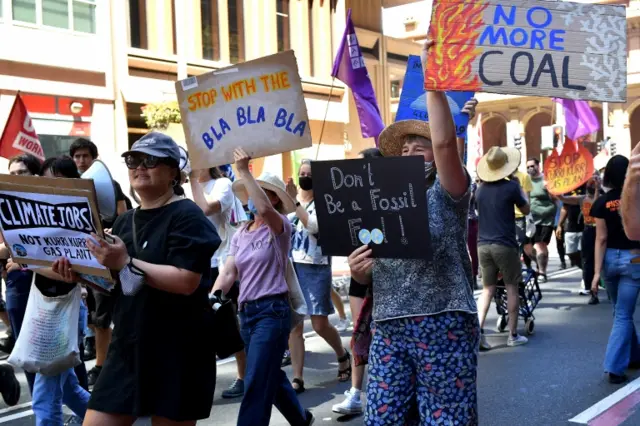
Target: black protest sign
[(375, 201)]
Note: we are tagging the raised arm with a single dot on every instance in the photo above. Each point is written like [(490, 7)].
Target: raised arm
[(631, 197), (269, 214)]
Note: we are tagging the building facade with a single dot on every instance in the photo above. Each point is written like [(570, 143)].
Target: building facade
[(87, 67), (514, 120)]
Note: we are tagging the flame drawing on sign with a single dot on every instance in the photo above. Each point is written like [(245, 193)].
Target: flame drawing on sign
[(455, 28)]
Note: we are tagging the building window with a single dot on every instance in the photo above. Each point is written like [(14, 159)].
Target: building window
[(210, 30), (236, 31), (75, 15), (282, 17), (138, 24), (395, 89), (24, 10)]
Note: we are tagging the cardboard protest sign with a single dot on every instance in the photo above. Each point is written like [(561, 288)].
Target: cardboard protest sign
[(257, 105), (413, 100), (532, 48), (375, 201), (43, 219), (568, 171)]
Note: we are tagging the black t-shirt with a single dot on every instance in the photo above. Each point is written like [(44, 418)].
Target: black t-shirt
[(607, 207), (574, 221), (496, 215), (53, 288)]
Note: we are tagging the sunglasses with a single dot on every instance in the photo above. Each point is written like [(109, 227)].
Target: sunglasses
[(147, 161)]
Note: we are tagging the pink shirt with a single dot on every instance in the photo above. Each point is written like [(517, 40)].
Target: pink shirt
[(261, 261)]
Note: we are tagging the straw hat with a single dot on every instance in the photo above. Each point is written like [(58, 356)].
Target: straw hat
[(498, 163), (392, 137), (270, 182)]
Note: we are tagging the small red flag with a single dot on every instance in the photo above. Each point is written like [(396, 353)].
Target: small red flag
[(19, 136)]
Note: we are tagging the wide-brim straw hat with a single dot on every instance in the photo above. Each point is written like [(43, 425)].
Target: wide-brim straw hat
[(269, 182), (392, 137), (498, 163)]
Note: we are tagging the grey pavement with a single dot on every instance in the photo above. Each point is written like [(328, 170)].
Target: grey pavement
[(557, 375)]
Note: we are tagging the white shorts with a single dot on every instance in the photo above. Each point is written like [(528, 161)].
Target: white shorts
[(572, 242)]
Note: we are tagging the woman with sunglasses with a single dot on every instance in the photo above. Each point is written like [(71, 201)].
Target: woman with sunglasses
[(161, 252)]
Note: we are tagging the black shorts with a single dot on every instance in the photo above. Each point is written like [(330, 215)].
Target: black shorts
[(100, 307), (543, 234), (357, 290)]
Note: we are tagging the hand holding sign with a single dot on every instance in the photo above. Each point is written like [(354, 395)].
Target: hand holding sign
[(569, 170), (360, 263), (241, 159), (112, 255), (62, 267)]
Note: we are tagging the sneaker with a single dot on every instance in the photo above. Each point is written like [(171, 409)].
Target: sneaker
[(286, 358), (93, 374), (352, 403), (594, 300), (90, 348), (563, 265), (309, 417), (73, 421), (517, 340), (7, 344), (9, 385), (616, 379), (342, 325), (484, 345), (236, 390), (584, 292)]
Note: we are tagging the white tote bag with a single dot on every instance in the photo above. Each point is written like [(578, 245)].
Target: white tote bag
[(48, 341)]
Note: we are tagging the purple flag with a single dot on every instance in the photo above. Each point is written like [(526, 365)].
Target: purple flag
[(579, 118), (349, 68)]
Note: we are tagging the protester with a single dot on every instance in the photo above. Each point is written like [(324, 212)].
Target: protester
[(314, 274), (569, 230), (616, 262), (524, 243), (213, 194), (559, 236), (472, 234), (631, 197), (18, 280), (497, 243), (70, 387), (361, 336), (258, 260), (84, 153), (162, 252), (588, 241), (418, 304), (543, 210)]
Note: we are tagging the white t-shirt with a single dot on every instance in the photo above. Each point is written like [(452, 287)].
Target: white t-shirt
[(231, 211), (304, 247)]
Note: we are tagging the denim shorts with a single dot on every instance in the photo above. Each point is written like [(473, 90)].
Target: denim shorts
[(315, 283)]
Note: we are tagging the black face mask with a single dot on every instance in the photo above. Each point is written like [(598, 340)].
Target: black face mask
[(306, 183)]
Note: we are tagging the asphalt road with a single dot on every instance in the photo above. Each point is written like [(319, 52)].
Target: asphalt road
[(546, 382)]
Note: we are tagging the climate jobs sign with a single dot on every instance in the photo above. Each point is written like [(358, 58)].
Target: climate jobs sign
[(525, 47)]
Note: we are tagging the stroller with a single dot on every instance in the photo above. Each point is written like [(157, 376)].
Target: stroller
[(529, 295)]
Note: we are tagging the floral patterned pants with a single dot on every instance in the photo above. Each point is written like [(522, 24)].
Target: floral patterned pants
[(426, 366)]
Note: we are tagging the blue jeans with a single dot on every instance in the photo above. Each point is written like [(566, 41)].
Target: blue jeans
[(50, 392), (265, 327), (18, 288), (622, 279)]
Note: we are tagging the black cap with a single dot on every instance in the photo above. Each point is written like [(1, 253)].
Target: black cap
[(156, 144)]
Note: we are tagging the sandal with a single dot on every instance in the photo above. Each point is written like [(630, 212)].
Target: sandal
[(344, 374), (300, 383)]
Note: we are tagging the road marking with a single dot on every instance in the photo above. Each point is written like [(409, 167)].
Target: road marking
[(15, 407), (607, 403), (16, 416), (619, 413)]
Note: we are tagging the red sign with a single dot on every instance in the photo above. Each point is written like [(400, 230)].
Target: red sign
[(19, 136), (568, 171)]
